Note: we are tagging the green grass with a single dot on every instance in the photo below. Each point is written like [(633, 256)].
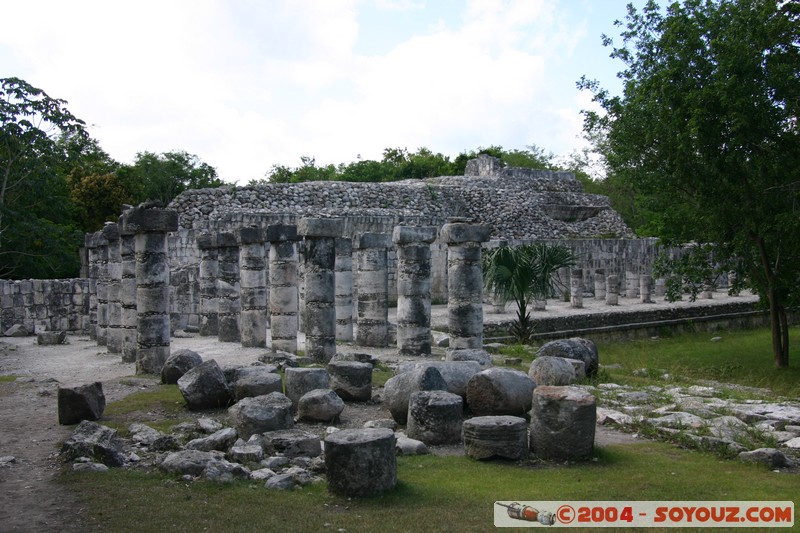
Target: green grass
[(741, 357), (8, 378), (164, 401), (433, 493)]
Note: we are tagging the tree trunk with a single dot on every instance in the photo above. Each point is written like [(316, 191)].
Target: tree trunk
[(780, 331)]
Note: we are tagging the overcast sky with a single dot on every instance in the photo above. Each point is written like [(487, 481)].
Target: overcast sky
[(246, 84)]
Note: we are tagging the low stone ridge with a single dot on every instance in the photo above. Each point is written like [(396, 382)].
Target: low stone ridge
[(82, 402)]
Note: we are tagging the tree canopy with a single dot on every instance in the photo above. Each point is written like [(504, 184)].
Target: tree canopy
[(706, 134)]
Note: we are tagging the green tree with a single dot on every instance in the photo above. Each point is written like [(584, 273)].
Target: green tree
[(37, 235), (164, 176), (706, 131), (522, 274)]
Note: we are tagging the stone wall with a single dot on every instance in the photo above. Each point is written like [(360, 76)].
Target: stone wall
[(58, 305)]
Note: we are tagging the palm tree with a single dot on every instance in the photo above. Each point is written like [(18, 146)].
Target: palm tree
[(523, 273)]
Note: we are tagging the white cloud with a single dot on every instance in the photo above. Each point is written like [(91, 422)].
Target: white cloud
[(245, 84)]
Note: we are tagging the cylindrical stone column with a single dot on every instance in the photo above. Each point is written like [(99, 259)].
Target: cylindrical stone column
[(631, 284), (152, 284), (562, 423), (576, 288), (115, 333), (102, 290), (90, 243), (229, 304), (343, 275), (320, 290), (283, 303), (465, 283), (563, 277), (253, 287), (612, 290), (361, 462), (128, 293), (645, 284), (661, 288), (414, 288), (372, 280), (600, 284), (435, 417), (209, 272)]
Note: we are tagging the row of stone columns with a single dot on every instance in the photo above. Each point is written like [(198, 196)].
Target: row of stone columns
[(607, 288)]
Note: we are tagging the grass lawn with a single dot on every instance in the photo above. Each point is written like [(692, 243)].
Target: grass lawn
[(457, 493)]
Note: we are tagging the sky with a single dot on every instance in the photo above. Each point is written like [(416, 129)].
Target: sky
[(248, 84)]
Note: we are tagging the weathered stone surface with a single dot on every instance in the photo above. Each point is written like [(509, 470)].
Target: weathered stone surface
[(574, 348), (302, 380), (456, 374), (205, 387), (548, 370), (480, 356), (770, 456), (291, 443), (408, 446), (180, 362), (51, 338), (398, 389), (320, 405), (256, 381), (351, 380), (361, 462), (677, 420), (387, 423), (280, 482), (435, 417), (96, 442), (562, 423), (496, 436), (82, 402), (17, 330), (262, 413), (219, 440), (499, 391), (144, 434)]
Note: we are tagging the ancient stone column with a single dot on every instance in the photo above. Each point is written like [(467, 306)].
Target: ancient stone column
[(283, 303), (372, 280), (562, 423), (91, 243), (661, 288), (130, 319), (319, 311), (576, 288), (361, 462), (414, 288), (209, 272), (253, 287), (114, 336), (600, 284), (645, 283), (229, 305), (102, 290), (465, 283), (343, 274), (612, 290), (631, 284), (151, 226)]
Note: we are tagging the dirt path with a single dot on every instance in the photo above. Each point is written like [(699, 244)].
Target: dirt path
[(30, 498)]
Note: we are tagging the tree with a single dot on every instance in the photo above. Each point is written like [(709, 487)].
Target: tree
[(164, 176), (37, 234), (706, 130), (522, 274)]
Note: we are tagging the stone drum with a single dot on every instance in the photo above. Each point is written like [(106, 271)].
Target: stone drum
[(496, 436), (562, 423), (435, 417), (361, 462)]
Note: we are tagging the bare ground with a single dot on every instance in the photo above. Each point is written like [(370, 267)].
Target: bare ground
[(31, 499)]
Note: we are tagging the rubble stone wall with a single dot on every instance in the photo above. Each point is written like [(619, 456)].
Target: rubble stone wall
[(58, 305)]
